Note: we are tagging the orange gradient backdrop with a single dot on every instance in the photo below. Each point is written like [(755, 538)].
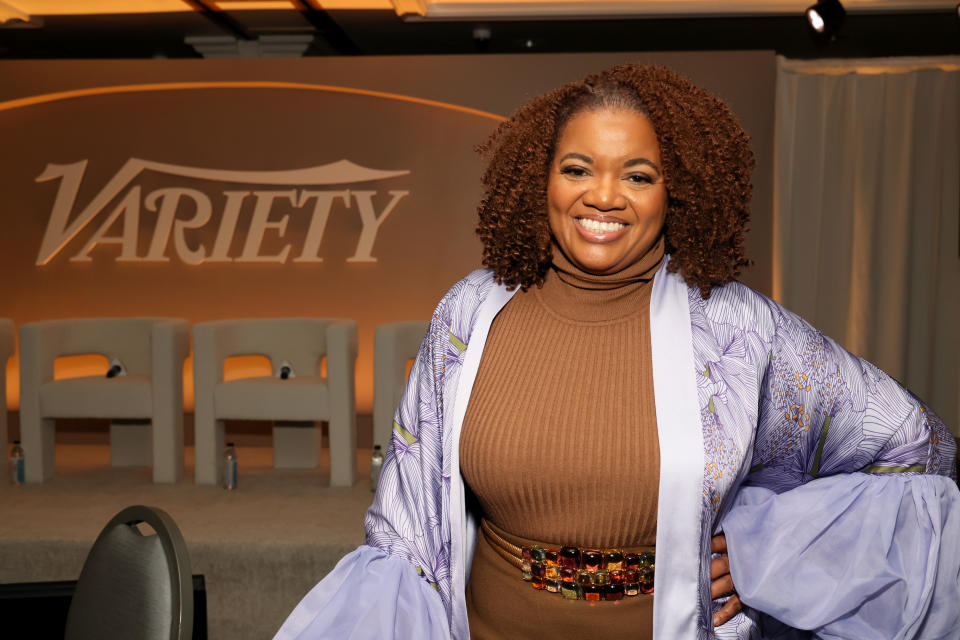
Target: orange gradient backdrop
[(418, 115)]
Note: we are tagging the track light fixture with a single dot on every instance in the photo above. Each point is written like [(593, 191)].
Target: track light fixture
[(825, 17)]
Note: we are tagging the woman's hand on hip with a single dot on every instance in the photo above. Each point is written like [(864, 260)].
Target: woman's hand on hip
[(721, 583)]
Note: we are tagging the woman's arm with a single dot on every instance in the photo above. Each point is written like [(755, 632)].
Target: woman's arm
[(825, 411), (814, 543), (405, 517)]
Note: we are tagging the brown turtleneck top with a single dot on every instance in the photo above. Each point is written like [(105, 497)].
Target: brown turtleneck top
[(559, 441)]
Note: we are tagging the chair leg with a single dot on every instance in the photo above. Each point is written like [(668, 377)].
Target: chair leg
[(167, 436), (343, 443), (37, 437), (208, 448), (341, 356)]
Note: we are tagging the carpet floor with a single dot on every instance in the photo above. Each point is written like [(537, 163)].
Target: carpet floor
[(260, 547)]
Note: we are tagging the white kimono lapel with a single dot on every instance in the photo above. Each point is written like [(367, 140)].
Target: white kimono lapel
[(463, 534), (681, 460)]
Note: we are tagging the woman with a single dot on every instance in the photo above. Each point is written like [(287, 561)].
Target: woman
[(606, 384)]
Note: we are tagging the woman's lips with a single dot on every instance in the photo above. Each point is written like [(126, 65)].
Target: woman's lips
[(599, 229)]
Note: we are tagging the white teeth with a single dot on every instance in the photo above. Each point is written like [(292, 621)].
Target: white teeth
[(597, 226)]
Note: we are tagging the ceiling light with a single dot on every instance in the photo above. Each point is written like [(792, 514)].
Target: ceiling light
[(825, 17), (815, 20)]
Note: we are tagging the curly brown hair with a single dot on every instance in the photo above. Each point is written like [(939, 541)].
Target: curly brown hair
[(707, 164)]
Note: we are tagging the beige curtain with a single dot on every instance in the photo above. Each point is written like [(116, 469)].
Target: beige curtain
[(866, 213)]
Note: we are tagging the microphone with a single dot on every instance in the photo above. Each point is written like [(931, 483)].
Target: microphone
[(285, 371), (116, 369)]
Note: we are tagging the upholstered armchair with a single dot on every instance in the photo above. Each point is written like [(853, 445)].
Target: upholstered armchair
[(394, 345), (150, 350), (7, 348), (304, 397)]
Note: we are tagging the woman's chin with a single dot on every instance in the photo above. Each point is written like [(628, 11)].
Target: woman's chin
[(598, 266)]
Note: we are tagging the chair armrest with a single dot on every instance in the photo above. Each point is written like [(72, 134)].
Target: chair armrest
[(341, 360), (170, 347), (342, 335), (40, 345), (208, 356), (171, 337)]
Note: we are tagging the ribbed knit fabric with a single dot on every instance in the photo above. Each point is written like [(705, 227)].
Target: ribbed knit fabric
[(559, 441), (559, 444)]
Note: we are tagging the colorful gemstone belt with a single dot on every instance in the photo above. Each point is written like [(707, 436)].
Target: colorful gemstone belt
[(578, 573)]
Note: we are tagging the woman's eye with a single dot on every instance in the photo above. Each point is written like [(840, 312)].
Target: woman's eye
[(575, 172), (639, 178)]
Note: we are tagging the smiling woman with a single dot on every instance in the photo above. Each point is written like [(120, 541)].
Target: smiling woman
[(554, 360), (583, 415)]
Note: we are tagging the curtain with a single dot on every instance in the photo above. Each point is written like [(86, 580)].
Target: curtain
[(867, 213)]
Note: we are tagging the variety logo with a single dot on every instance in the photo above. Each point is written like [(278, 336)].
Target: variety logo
[(66, 223)]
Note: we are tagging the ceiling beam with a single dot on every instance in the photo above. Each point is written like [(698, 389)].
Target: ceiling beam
[(219, 18), (327, 27)]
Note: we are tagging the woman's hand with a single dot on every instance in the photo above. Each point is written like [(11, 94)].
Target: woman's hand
[(722, 583)]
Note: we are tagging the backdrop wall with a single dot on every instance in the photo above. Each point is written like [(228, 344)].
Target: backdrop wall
[(211, 189)]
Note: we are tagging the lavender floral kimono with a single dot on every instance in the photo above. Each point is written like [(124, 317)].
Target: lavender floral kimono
[(747, 395)]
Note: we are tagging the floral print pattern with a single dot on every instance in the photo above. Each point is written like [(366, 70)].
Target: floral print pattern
[(779, 402)]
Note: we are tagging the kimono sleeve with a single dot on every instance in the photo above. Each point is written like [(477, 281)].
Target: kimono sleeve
[(851, 556), (847, 521), (369, 595), (405, 517), (394, 586), (825, 411)]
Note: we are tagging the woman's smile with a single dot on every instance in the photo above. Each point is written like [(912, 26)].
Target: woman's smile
[(600, 228)]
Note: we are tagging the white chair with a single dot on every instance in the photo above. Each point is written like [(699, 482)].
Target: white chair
[(395, 344), (306, 397), (152, 351), (7, 348)]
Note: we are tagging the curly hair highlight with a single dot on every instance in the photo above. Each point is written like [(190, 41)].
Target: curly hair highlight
[(707, 164)]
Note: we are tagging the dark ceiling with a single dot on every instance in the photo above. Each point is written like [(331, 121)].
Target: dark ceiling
[(366, 32)]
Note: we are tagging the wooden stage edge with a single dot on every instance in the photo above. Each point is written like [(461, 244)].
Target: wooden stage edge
[(260, 547)]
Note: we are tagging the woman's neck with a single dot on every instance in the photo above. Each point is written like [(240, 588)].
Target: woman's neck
[(578, 295)]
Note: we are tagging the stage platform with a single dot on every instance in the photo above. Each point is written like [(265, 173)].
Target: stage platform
[(260, 547)]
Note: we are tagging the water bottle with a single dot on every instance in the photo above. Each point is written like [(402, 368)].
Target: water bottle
[(16, 464), (230, 467), (376, 463)]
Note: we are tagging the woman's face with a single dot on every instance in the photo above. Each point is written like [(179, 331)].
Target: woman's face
[(606, 198)]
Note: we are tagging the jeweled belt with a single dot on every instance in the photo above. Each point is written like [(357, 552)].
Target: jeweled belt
[(579, 573)]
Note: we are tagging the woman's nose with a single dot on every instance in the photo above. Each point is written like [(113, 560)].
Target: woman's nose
[(604, 195)]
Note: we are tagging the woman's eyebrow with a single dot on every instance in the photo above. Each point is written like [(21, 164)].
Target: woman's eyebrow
[(577, 156), (635, 161)]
